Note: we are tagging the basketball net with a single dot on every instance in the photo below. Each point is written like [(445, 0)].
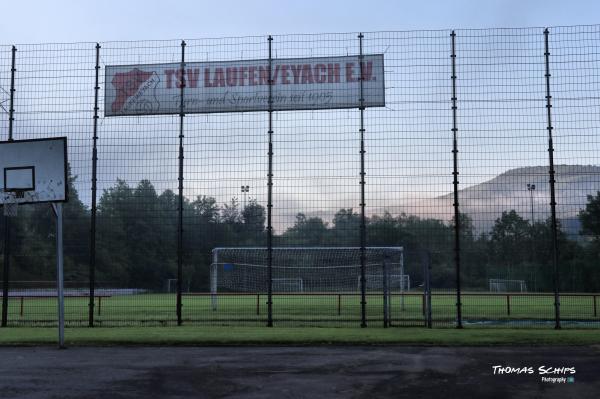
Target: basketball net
[(11, 207)]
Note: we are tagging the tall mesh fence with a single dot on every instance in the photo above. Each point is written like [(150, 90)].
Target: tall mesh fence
[(505, 81)]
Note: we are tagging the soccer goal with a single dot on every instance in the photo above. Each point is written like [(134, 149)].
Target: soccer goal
[(305, 270), (172, 285), (288, 285), (502, 285)]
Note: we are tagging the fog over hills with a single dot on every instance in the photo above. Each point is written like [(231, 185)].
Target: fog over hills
[(486, 201)]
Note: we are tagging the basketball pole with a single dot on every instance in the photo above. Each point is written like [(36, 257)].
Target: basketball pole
[(57, 208)]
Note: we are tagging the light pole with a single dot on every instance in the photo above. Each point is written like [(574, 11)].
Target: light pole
[(531, 189), (245, 190)]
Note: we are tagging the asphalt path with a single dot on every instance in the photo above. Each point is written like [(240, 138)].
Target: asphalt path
[(299, 372)]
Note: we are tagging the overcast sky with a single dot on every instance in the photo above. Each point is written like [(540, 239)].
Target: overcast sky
[(409, 158), (34, 21)]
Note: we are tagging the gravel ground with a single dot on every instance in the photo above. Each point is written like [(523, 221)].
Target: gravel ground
[(295, 372)]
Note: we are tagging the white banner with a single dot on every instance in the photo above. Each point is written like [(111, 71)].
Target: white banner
[(240, 86)]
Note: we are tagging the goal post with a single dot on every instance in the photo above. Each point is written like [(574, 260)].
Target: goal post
[(504, 285), (325, 270), (171, 285)]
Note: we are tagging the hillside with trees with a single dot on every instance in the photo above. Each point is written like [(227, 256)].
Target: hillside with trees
[(137, 247)]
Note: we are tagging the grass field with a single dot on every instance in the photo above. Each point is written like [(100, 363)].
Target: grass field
[(335, 310)]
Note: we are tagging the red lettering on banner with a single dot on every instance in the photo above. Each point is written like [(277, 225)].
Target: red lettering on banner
[(333, 73), (207, 78), (169, 73), (180, 78), (284, 75), (307, 75), (296, 69), (192, 75), (242, 75), (231, 74), (219, 78), (320, 73), (367, 70), (252, 76), (350, 72), (263, 75), (275, 74)]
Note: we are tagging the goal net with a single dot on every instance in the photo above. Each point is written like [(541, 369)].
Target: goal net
[(288, 285), (396, 282), (502, 285), (306, 270)]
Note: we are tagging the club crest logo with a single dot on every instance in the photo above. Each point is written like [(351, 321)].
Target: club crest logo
[(136, 92)]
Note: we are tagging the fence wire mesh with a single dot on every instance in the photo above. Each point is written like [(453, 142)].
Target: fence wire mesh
[(502, 244)]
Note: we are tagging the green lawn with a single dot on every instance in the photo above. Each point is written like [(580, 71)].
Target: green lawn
[(193, 335), (325, 310)]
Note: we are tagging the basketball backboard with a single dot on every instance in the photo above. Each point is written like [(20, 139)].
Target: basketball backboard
[(33, 171)]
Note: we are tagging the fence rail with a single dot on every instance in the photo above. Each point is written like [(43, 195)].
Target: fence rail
[(486, 157)]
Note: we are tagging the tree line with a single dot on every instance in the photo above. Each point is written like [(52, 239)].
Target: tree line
[(137, 241)]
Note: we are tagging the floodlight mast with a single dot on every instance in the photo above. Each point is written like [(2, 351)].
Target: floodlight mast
[(531, 189)]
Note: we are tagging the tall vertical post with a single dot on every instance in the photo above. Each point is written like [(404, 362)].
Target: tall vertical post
[(6, 268), (426, 260), (60, 292), (180, 179), (363, 222), (455, 174), (552, 181), (11, 109), (94, 190), (386, 292), (214, 278), (270, 193)]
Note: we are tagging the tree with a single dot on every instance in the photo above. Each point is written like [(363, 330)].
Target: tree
[(253, 217), (230, 213), (590, 217), (36, 223), (510, 238), (136, 235), (385, 231), (307, 231), (205, 208), (346, 227)]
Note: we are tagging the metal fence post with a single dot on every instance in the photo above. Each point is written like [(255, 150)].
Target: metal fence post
[(552, 181), (94, 191), (270, 193), (363, 224), (180, 179), (6, 268), (386, 293), (428, 288), (455, 183)]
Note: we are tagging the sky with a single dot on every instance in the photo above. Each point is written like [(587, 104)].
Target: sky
[(409, 158), (30, 21)]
